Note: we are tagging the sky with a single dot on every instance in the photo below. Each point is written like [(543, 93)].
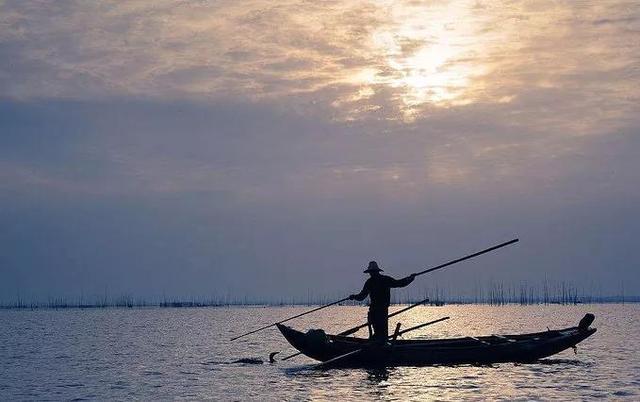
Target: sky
[(271, 149)]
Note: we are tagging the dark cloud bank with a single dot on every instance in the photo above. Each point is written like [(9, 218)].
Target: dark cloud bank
[(186, 199)]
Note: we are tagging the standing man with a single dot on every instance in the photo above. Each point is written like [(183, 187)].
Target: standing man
[(377, 287)]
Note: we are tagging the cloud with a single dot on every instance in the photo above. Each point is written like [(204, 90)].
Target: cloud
[(201, 147), (413, 55)]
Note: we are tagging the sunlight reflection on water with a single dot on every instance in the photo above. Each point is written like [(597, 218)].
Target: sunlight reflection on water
[(185, 354)]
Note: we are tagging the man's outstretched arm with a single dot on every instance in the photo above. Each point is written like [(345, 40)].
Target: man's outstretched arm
[(362, 295), (400, 283)]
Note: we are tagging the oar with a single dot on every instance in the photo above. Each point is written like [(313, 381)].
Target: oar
[(423, 325), (353, 352), (346, 298), (355, 329)]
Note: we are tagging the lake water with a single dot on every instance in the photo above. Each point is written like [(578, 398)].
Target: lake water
[(162, 353)]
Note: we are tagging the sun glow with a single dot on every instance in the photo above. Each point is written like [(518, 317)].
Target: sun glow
[(427, 56)]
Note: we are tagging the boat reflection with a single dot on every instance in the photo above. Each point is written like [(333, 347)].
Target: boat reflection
[(378, 375)]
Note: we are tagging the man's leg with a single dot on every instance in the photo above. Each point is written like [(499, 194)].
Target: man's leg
[(380, 324)]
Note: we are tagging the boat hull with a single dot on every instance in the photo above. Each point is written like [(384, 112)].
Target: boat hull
[(481, 350)]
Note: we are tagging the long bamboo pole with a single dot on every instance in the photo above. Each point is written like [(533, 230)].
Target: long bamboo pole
[(346, 298)]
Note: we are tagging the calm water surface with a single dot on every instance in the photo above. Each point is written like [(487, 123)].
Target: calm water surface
[(186, 354)]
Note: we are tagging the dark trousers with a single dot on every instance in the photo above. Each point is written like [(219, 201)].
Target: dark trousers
[(380, 322)]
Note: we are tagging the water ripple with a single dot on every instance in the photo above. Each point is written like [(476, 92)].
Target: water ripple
[(115, 354)]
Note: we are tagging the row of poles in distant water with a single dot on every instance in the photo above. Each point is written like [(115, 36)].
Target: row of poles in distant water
[(416, 274)]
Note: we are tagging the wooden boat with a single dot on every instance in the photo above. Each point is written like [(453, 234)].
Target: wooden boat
[(469, 350)]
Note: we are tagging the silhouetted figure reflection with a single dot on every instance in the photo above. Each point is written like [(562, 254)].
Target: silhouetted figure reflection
[(377, 287)]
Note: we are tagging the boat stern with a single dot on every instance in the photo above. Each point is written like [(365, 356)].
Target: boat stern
[(295, 338), (311, 344), (584, 327)]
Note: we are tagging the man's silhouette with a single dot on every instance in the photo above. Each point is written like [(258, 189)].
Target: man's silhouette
[(377, 287)]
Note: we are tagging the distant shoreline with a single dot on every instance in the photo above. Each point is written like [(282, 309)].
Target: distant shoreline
[(194, 304), (493, 293)]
